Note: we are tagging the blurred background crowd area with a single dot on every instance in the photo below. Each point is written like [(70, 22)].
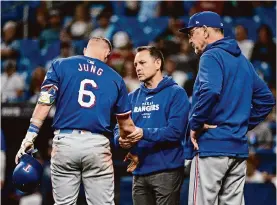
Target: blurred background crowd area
[(36, 32)]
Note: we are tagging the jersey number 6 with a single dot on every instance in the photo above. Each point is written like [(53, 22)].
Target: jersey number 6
[(83, 92)]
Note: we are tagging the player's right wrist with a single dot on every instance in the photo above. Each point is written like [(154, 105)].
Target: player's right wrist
[(31, 134), (37, 122)]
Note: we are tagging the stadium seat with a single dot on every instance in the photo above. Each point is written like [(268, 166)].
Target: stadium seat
[(11, 11), (118, 7), (259, 194), (184, 192), (251, 24), (126, 190), (24, 64), (51, 52), (67, 20), (188, 5), (30, 49), (228, 22), (79, 46), (268, 17), (154, 28), (184, 19), (134, 32), (142, 31), (267, 160), (263, 69)]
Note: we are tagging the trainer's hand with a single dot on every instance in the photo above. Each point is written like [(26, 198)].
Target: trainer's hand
[(194, 134), (136, 135), (134, 162), (125, 143)]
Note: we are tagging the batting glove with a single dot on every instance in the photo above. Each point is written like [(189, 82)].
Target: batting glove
[(26, 145)]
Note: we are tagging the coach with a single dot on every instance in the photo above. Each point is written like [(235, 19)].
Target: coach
[(228, 94)]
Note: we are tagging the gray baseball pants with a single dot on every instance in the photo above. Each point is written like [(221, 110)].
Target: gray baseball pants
[(217, 181), (161, 188), (82, 156)]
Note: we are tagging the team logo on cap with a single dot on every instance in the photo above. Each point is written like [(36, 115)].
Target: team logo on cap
[(221, 24), (197, 22)]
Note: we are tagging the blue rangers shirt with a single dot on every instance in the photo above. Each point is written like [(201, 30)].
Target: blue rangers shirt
[(88, 93)]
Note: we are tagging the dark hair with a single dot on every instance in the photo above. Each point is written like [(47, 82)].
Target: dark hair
[(104, 14), (268, 31), (86, 10), (9, 64), (154, 52), (104, 39), (65, 45), (243, 27)]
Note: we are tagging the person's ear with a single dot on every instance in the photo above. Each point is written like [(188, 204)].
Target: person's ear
[(108, 53), (158, 63), (84, 51), (206, 32)]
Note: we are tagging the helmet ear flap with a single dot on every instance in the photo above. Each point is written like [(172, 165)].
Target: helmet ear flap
[(27, 174)]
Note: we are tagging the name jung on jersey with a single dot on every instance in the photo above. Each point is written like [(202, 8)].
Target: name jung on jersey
[(90, 68)]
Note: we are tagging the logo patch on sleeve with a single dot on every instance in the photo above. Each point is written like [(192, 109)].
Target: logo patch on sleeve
[(44, 97)]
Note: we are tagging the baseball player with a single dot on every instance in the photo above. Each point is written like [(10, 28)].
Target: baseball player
[(87, 92), (230, 97)]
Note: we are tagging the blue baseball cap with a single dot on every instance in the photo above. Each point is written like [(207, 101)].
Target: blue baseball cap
[(205, 18)]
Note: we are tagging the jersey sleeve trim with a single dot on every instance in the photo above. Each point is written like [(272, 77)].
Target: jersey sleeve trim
[(123, 114), (50, 85)]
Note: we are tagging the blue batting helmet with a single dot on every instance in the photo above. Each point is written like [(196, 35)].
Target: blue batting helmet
[(27, 174)]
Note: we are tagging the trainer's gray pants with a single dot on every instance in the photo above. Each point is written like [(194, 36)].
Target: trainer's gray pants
[(217, 181), (161, 188), (82, 156)]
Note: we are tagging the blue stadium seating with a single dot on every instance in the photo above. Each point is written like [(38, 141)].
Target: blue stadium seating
[(251, 24), (79, 46), (141, 31), (268, 17), (228, 26), (260, 194), (13, 10), (31, 49), (132, 27), (118, 8), (67, 20), (264, 69), (267, 159), (154, 28), (51, 52), (126, 191)]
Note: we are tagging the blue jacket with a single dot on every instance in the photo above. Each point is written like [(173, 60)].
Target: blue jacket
[(163, 114), (227, 93)]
